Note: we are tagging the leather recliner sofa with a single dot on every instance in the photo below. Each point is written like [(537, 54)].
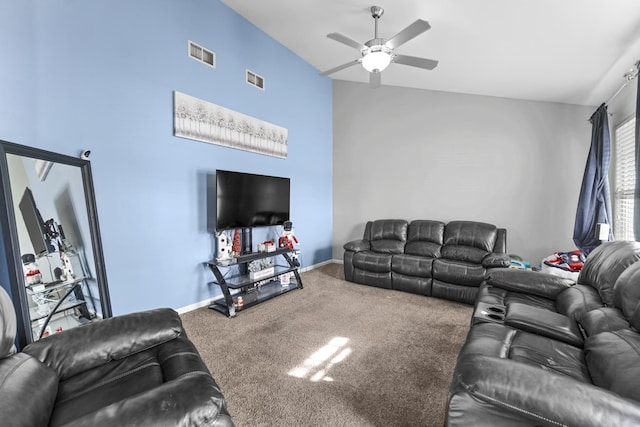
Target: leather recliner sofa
[(426, 257), (542, 351), (559, 308), (137, 369)]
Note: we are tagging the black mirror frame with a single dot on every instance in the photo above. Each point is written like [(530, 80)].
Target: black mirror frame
[(10, 234)]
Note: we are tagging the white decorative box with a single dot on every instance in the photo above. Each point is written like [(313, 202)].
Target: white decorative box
[(257, 275)]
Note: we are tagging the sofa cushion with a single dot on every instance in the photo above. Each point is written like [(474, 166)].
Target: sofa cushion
[(497, 340), (373, 262), (28, 389), (380, 280), (194, 400), (454, 292), (493, 392), (605, 264), (626, 294), (388, 235), (470, 233), (146, 329), (121, 380), (543, 322), (613, 359), (412, 265), (8, 325), (603, 319), (411, 284), (529, 282), (578, 300), (498, 296), (425, 238), (464, 253), (462, 273), (427, 249)]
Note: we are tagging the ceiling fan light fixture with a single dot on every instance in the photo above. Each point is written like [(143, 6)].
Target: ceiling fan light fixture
[(376, 59)]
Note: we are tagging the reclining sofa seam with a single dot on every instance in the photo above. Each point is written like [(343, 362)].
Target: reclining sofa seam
[(114, 379), (471, 390)]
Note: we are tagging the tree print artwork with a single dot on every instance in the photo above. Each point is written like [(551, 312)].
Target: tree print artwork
[(204, 121)]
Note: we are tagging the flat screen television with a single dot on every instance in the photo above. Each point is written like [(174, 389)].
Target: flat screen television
[(34, 223), (246, 200)]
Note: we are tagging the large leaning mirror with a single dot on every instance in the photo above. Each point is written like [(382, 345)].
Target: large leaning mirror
[(52, 242)]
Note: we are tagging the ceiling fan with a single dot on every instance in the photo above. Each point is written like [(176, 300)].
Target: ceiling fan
[(378, 53)]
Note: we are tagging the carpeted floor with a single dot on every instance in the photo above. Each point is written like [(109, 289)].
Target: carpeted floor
[(334, 354)]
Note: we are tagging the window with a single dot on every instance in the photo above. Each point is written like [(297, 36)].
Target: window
[(625, 179)]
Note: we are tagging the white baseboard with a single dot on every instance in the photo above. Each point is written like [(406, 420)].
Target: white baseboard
[(207, 302), (192, 307)]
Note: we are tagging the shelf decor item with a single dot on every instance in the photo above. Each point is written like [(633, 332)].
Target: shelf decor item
[(257, 275), (260, 268), (236, 248)]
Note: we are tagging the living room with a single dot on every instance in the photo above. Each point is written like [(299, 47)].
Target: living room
[(75, 70)]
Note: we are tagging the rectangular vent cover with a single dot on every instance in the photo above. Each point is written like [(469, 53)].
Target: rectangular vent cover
[(255, 80), (202, 54)]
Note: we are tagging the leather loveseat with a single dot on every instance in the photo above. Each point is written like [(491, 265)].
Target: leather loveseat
[(138, 369), (543, 351), (426, 257)]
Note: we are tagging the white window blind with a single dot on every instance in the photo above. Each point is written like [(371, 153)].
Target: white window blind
[(625, 179)]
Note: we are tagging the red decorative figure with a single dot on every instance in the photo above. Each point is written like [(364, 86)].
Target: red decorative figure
[(236, 248)]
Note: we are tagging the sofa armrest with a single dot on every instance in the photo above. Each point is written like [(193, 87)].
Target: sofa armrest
[(496, 260), (192, 400), (357, 245), (541, 395), (85, 347), (529, 282)]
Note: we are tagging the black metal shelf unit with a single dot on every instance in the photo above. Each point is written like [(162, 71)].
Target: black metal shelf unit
[(252, 290)]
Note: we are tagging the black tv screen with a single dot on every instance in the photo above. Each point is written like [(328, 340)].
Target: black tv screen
[(247, 200), (34, 223)]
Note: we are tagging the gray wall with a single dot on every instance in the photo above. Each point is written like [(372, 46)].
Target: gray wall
[(418, 154)]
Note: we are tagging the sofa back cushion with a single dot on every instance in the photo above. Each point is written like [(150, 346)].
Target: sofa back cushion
[(425, 238), (468, 241), (626, 294), (613, 360), (605, 264), (387, 235), (8, 325), (28, 389)]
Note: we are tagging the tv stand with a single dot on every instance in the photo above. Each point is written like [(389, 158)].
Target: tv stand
[(252, 290)]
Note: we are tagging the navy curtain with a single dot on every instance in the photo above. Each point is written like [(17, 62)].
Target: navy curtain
[(636, 205), (594, 204)]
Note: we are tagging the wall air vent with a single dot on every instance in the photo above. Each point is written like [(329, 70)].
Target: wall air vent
[(255, 80), (202, 54)]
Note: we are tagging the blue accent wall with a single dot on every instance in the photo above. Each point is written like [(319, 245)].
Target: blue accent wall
[(100, 75)]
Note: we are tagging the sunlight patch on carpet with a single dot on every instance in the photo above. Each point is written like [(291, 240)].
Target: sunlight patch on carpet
[(317, 366)]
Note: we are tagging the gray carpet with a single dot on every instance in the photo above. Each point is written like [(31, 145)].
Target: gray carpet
[(334, 354)]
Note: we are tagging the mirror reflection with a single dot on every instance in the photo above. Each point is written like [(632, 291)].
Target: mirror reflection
[(55, 246)]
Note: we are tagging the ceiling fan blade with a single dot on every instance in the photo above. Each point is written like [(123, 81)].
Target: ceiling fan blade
[(341, 67), (375, 79), (408, 33), (346, 40), (414, 61)]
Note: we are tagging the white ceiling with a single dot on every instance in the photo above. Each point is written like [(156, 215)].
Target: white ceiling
[(569, 51)]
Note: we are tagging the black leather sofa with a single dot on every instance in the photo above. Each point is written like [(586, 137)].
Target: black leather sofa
[(426, 257), (138, 369), (543, 351)]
